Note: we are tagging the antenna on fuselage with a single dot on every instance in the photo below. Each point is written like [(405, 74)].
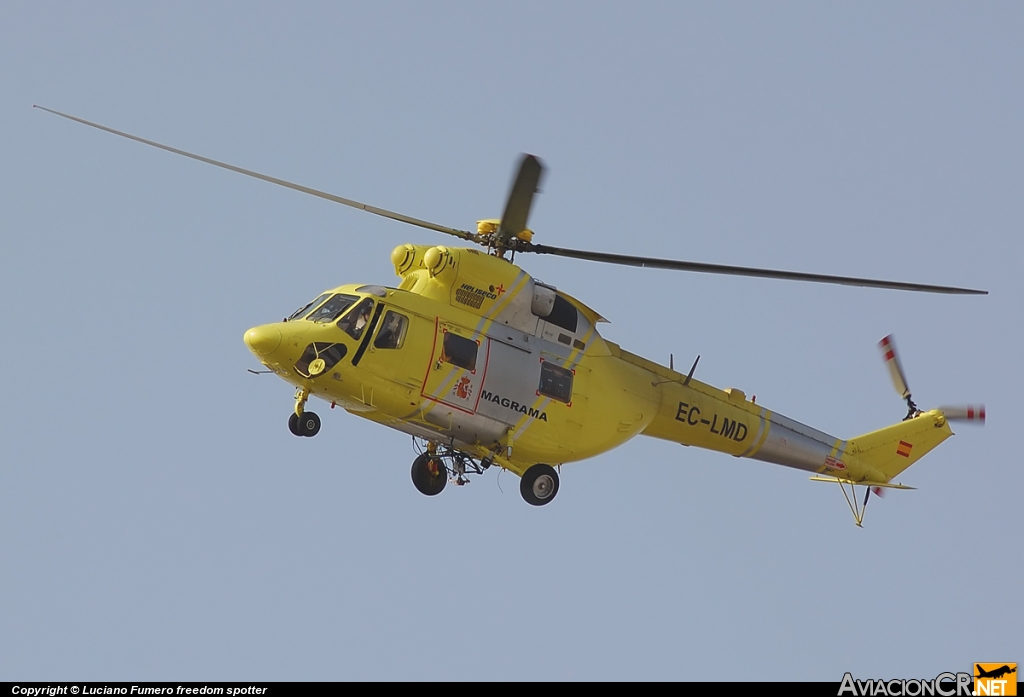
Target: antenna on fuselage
[(692, 368)]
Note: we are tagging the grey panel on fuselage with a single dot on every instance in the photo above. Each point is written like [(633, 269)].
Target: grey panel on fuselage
[(513, 375), (509, 388), (794, 444), (467, 428), (555, 334), (516, 312)]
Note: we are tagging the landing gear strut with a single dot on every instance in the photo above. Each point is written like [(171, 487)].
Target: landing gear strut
[(302, 422), (539, 485)]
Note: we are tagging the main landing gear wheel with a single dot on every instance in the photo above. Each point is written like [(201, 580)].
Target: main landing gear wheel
[(308, 424), (539, 485), (429, 475)]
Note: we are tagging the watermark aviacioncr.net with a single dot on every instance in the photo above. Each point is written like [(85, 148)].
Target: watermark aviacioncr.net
[(988, 680)]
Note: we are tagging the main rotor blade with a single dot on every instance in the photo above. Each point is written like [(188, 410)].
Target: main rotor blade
[(280, 182), (520, 198), (652, 262), (888, 347)]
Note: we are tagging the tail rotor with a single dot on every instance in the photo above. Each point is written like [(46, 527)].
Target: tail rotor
[(972, 414)]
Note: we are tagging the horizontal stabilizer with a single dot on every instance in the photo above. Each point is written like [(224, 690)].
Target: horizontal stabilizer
[(835, 480)]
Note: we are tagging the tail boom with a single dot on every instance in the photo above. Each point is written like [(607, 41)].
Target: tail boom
[(697, 414), (693, 413)]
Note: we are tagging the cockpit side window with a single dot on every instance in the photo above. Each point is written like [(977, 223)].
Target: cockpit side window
[(332, 309), (355, 321), (301, 312), (392, 331)]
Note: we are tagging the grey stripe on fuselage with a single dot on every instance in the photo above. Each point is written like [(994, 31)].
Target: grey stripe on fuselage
[(794, 444)]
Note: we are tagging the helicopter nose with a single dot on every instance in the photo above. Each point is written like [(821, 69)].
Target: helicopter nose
[(263, 339)]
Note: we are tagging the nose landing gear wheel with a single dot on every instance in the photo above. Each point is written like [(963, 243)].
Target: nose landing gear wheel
[(539, 485), (429, 475), (306, 425)]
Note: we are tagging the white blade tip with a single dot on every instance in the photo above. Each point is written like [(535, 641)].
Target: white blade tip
[(972, 413)]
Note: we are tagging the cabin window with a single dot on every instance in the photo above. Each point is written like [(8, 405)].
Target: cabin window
[(392, 331), (563, 314), (555, 382), (301, 312), (332, 309), (355, 321), (459, 351)]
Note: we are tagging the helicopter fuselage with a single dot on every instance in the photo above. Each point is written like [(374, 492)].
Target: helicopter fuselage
[(472, 352), (466, 361)]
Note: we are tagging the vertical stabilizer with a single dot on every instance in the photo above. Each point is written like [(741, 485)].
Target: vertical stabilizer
[(892, 449)]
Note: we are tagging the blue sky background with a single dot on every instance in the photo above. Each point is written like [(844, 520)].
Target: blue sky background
[(158, 521)]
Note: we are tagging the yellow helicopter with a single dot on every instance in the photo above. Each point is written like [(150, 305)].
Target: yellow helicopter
[(486, 366)]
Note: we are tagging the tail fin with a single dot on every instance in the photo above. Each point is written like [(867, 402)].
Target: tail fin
[(892, 449)]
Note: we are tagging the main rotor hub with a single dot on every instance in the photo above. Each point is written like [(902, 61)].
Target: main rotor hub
[(486, 229)]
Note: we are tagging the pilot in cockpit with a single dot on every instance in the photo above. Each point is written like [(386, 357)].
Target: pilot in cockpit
[(362, 319), (354, 322)]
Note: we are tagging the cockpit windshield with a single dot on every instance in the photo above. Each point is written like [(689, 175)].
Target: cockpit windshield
[(298, 314), (332, 309)]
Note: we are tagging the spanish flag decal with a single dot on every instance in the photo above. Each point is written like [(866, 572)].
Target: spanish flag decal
[(904, 448)]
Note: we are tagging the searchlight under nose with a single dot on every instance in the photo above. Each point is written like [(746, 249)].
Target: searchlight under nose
[(263, 339)]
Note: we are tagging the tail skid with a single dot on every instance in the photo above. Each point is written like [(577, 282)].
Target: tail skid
[(851, 497)]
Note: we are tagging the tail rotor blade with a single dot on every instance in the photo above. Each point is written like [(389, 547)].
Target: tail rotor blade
[(899, 381), (975, 414)]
